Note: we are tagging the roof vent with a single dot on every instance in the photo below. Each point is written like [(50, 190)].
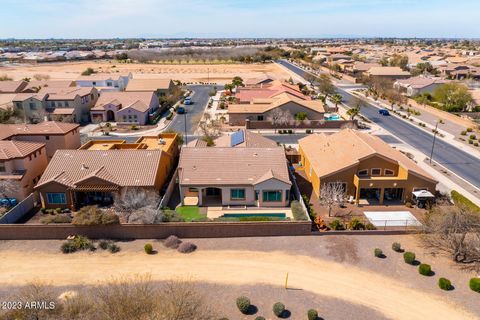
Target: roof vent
[(161, 141), (84, 167), (255, 154)]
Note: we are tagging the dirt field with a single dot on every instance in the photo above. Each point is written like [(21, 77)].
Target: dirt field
[(220, 73), (328, 272)]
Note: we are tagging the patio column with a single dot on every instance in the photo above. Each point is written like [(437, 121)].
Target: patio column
[(200, 196), (181, 194), (357, 194), (382, 195)]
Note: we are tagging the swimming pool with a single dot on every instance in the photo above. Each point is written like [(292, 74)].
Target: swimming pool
[(333, 117), (242, 215)]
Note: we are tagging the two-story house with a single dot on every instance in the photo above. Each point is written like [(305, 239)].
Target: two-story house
[(72, 103), (105, 82)]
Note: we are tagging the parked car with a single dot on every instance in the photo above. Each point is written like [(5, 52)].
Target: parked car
[(187, 101), (384, 112), (181, 110)]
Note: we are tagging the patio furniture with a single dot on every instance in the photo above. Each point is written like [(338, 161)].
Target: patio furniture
[(351, 199)]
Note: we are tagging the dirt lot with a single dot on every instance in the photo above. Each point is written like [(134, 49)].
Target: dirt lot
[(220, 73), (330, 273)]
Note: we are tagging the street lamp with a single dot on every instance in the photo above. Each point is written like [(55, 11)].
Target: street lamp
[(434, 138)]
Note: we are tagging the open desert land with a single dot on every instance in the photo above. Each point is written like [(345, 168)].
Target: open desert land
[(220, 73), (338, 275)]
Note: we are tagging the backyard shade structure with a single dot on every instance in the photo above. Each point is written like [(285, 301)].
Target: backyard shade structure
[(423, 194)]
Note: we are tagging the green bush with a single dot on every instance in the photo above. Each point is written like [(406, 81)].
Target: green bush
[(148, 248), (312, 314), (88, 72), (336, 225), (68, 247), (476, 144), (470, 141), (113, 248), (425, 269), (259, 318), (460, 199), (278, 309), (83, 243), (396, 247), (474, 284), (409, 257), (297, 211), (378, 253), (472, 136), (356, 224), (103, 244), (444, 284), (243, 304), (469, 129), (370, 226)]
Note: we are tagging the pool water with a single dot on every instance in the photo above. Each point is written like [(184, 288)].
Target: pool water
[(334, 117), (241, 215)]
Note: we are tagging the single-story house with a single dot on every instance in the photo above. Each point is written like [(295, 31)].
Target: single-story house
[(75, 178), (264, 109), (392, 73), (134, 107), (365, 167), (161, 87), (418, 85), (271, 89), (234, 177)]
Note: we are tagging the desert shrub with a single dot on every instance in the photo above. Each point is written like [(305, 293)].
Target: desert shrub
[(243, 304), (425, 269), (297, 211), (370, 226), (409, 257), (113, 248), (172, 242), (88, 72), (92, 215), (336, 225), (463, 133), (408, 204), (186, 247), (469, 129), (356, 224), (68, 247), (470, 141), (103, 244), (148, 248), (444, 284), (312, 314), (171, 216), (83, 243), (58, 218), (278, 309), (378, 253), (474, 284), (110, 218), (260, 318), (396, 247), (472, 136)]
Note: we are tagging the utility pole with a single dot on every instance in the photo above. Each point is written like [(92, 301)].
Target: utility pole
[(433, 143)]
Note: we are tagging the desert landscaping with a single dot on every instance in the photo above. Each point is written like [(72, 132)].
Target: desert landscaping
[(338, 275)]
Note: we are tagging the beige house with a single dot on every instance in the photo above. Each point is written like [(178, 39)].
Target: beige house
[(21, 166), (365, 166), (54, 135), (229, 176), (391, 73), (161, 87), (264, 109)]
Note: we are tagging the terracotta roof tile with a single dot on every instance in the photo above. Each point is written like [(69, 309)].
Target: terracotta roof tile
[(18, 149)]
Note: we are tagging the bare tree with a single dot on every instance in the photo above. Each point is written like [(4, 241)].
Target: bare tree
[(138, 205), (330, 194), (455, 232), (280, 117)]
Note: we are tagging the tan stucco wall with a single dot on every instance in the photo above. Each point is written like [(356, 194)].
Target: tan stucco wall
[(71, 140)]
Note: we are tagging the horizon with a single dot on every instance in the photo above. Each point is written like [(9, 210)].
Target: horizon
[(197, 19)]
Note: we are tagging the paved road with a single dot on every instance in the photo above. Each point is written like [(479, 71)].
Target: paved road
[(194, 111), (458, 161)]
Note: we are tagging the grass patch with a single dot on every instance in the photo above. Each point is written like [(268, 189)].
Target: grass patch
[(460, 199), (190, 213)]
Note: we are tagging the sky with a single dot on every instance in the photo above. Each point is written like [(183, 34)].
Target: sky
[(239, 18)]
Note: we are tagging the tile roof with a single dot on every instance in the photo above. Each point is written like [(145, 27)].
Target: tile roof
[(68, 93), (251, 140), (148, 84), (315, 105), (269, 90), (119, 167), (231, 166), (137, 100), (43, 128), (387, 71), (329, 154), (18, 149), (420, 82), (12, 86)]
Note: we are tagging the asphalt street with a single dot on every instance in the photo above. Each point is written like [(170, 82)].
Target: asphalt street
[(460, 162)]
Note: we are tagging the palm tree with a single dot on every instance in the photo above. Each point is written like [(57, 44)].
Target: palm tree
[(353, 112), (337, 98)]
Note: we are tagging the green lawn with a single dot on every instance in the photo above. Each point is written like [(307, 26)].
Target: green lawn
[(190, 213)]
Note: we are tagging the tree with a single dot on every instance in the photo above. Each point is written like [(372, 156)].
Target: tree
[(356, 105), (301, 116), (455, 232), (453, 96), (311, 78), (279, 117), (337, 99), (229, 87), (325, 85), (138, 205), (395, 97), (237, 82), (330, 194), (399, 61)]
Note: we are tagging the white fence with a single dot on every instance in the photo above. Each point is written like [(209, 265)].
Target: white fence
[(19, 211)]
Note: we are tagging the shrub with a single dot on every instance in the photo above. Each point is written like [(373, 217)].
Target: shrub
[(259, 318), (60, 218), (476, 144), (470, 141), (278, 309), (460, 199), (396, 247), (243, 304), (472, 137), (290, 131), (378, 253), (469, 129), (408, 204), (83, 243), (356, 224), (148, 248), (370, 226), (172, 242), (103, 244), (312, 314), (186, 247), (409, 257), (444, 284), (88, 72), (337, 225), (68, 247), (110, 218), (474, 284), (297, 211), (425, 269), (113, 248), (92, 215)]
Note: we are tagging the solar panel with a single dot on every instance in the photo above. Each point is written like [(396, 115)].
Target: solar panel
[(237, 138)]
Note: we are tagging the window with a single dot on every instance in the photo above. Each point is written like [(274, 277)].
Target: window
[(59, 104), (376, 172), (56, 198), (256, 195), (363, 173), (287, 195), (2, 167), (237, 194), (47, 137), (109, 84), (19, 105), (272, 196), (94, 83), (66, 103), (33, 106), (260, 118), (389, 172), (124, 118)]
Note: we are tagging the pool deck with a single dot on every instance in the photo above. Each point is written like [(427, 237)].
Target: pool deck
[(216, 212)]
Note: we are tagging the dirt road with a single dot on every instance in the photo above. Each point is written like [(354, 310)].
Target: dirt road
[(342, 281)]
